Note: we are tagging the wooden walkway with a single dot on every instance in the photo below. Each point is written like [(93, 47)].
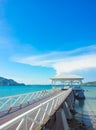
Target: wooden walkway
[(8, 116), (37, 113)]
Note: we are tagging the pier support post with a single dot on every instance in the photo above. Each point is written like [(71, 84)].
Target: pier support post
[(67, 111), (68, 100), (72, 97), (46, 129), (61, 121)]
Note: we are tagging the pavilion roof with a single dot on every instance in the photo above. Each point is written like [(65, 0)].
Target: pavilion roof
[(67, 77)]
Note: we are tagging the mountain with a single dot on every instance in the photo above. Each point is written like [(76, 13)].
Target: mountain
[(9, 82), (93, 83)]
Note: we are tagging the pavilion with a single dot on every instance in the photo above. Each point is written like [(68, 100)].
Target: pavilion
[(67, 80)]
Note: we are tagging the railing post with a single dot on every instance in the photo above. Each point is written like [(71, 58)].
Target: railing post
[(25, 127), (51, 107), (44, 113)]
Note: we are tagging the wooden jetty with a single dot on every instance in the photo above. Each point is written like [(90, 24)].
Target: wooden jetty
[(48, 110), (36, 115)]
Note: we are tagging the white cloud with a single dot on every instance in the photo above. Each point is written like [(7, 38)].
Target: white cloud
[(76, 63), (69, 61)]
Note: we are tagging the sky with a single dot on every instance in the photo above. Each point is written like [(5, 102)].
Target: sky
[(43, 38)]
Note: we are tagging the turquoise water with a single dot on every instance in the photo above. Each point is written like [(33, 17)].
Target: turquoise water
[(15, 90), (89, 104), (86, 109)]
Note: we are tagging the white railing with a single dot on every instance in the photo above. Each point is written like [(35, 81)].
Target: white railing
[(8, 103), (37, 116)]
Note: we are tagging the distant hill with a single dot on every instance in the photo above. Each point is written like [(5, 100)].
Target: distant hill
[(90, 83), (9, 82)]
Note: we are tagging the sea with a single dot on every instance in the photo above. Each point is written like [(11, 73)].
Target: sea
[(86, 109), (15, 90)]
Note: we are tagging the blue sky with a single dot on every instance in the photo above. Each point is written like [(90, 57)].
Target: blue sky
[(40, 39)]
